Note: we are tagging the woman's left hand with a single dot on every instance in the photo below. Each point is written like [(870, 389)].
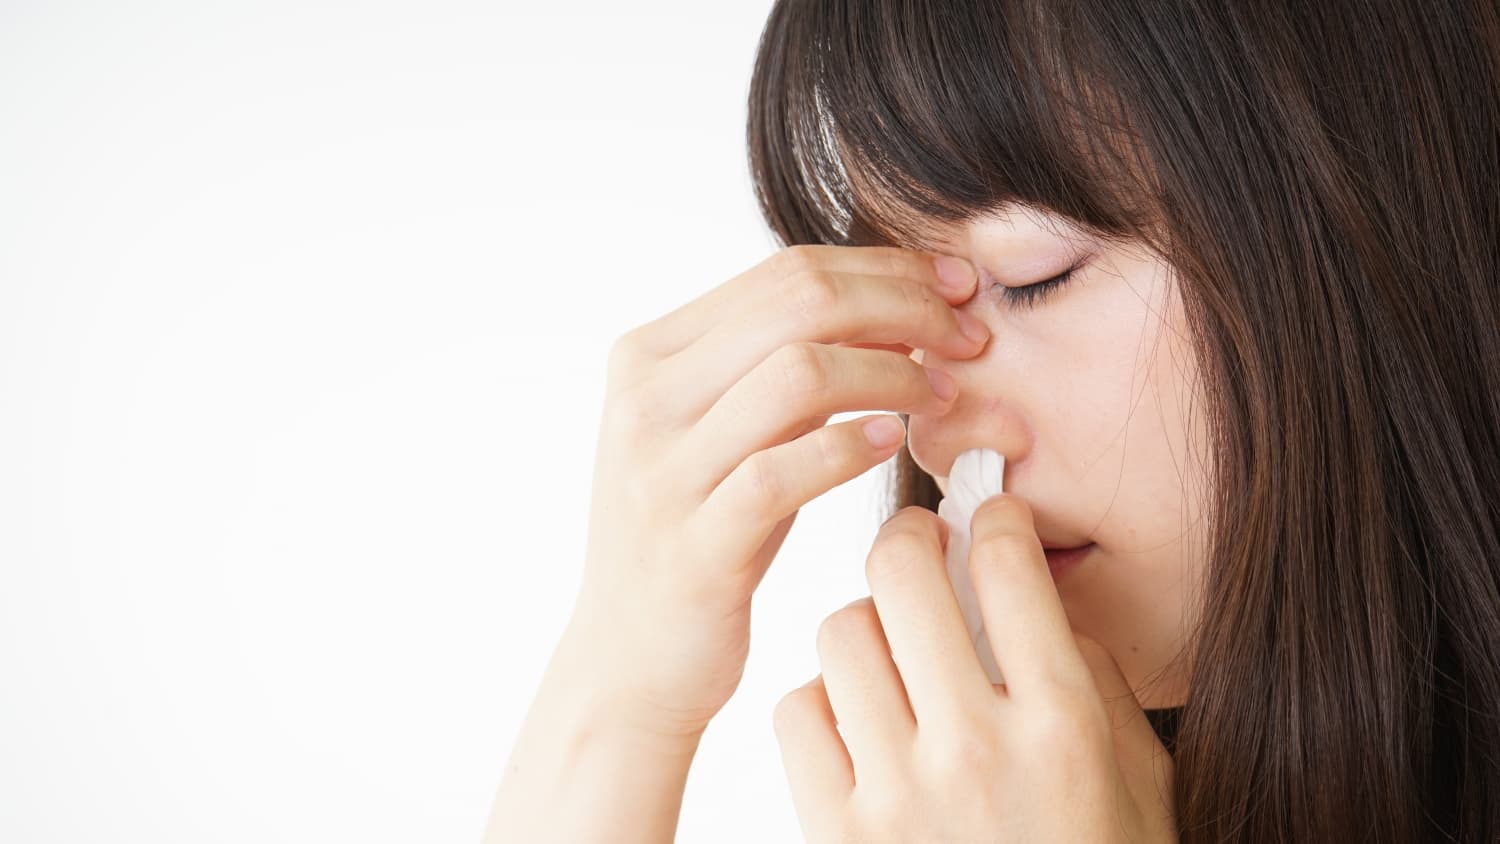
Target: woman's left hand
[(926, 748)]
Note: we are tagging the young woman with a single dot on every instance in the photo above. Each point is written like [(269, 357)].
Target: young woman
[(1221, 281)]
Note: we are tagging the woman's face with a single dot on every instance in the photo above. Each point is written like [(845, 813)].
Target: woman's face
[(1091, 395)]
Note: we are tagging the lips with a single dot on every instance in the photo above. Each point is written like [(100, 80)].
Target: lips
[(1062, 559)]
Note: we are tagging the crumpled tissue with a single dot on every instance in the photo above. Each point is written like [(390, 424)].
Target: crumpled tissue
[(977, 474)]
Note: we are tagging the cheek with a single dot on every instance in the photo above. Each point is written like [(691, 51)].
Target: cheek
[(1095, 358), (1117, 398), (1124, 406)]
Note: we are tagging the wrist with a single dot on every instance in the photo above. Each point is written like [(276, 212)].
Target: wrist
[(582, 772), (607, 706)]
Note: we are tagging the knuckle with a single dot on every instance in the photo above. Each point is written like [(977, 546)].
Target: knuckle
[(802, 368), (762, 479), (831, 452), (789, 710), (845, 629), (1068, 727), (811, 292), (1070, 684), (954, 764), (628, 343), (1051, 726), (796, 258), (625, 353), (896, 550)]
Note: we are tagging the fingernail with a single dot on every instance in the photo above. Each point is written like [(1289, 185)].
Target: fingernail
[(956, 274), (884, 431), (972, 328), (942, 383)]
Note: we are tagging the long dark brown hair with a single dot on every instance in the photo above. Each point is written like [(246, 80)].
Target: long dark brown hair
[(1324, 179)]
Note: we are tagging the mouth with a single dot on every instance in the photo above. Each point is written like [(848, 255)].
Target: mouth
[(1062, 559)]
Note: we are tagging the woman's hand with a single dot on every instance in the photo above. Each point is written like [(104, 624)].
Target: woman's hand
[(926, 748), (713, 435)]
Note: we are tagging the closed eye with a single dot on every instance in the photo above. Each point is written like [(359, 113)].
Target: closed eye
[(1030, 295)]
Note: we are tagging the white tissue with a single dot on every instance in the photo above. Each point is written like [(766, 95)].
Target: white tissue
[(977, 474)]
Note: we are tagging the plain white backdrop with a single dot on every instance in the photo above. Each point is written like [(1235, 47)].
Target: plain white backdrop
[(304, 312)]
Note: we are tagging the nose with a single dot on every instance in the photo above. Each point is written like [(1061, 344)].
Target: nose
[(985, 415)]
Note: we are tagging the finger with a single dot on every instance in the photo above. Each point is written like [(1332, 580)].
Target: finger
[(818, 307), (769, 485), (889, 347), (1028, 629), (799, 381), (1142, 757), (864, 689), (674, 331), (818, 769), (929, 641)]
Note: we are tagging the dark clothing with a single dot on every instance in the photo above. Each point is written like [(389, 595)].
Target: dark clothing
[(1164, 722)]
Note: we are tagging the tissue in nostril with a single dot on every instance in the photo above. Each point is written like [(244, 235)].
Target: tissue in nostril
[(976, 475)]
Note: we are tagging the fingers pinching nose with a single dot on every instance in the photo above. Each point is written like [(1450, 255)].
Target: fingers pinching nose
[(957, 275)]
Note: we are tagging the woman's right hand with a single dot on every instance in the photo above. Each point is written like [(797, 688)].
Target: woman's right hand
[(713, 435)]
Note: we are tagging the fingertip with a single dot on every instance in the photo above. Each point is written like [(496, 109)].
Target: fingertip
[(884, 432), (956, 275)]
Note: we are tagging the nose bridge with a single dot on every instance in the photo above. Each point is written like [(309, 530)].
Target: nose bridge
[(988, 413)]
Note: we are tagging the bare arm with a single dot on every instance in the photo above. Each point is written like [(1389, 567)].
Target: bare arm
[(581, 772)]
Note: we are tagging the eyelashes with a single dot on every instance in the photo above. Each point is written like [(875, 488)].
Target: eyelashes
[(1029, 296)]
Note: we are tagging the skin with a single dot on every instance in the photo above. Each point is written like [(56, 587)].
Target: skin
[(903, 737), (714, 434), (1091, 395)]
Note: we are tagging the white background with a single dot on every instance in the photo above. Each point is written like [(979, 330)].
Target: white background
[(304, 310)]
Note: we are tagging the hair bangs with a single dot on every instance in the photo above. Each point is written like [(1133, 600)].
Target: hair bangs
[(882, 122)]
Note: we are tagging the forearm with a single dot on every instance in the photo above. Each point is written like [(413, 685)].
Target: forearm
[(579, 772)]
